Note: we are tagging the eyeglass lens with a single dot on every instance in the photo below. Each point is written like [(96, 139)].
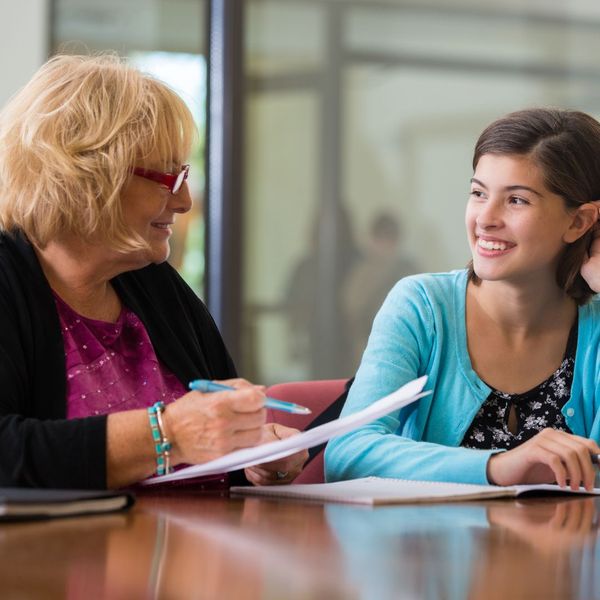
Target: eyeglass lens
[(180, 179)]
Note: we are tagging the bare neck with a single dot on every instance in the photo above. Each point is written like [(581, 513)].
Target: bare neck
[(524, 309), (80, 274)]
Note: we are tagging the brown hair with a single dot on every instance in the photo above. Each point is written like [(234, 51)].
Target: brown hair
[(69, 140), (565, 146)]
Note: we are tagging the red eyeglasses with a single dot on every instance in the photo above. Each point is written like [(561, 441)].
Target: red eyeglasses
[(173, 181)]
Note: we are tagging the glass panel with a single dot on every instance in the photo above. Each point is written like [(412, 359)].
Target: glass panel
[(284, 48), (361, 121), (281, 196), (167, 41), (272, 49)]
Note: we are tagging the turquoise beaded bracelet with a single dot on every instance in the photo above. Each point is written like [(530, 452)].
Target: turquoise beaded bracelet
[(162, 446)]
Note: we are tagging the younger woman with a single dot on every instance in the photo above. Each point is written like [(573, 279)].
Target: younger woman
[(511, 344)]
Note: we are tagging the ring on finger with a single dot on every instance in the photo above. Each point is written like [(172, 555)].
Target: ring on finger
[(281, 474)]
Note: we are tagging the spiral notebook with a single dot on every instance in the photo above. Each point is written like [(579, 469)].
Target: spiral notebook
[(378, 490)]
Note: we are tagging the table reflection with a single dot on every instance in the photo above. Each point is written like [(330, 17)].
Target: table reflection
[(248, 548), (552, 547), (534, 548), (198, 546), (191, 546), (63, 558)]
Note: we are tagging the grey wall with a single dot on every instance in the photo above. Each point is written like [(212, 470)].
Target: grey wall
[(23, 43)]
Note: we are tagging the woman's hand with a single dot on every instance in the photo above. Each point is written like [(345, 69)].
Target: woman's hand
[(203, 427), (590, 270), (279, 471), (549, 456)]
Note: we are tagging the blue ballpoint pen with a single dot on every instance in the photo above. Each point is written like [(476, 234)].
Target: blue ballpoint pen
[(204, 385)]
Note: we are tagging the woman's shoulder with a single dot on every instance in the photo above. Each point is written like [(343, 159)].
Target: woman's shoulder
[(589, 313), (13, 246), (589, 324), (19, 265), (432, 286), (426, 298), (163, 285)]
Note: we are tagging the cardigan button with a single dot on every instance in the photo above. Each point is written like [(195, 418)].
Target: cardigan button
[(570, 412)]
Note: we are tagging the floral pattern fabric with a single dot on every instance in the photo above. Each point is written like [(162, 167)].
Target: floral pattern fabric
[(535, 410)]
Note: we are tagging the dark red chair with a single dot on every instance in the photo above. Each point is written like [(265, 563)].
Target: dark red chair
[(316, 395)]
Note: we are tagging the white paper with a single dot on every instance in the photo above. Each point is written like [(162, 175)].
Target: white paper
[(379, 490), (248, 457)]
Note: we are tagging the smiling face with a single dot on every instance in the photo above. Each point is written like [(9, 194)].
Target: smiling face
[(149, 210), (517, 229)]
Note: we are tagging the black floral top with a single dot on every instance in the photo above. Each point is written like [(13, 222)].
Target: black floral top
[(535, 410)]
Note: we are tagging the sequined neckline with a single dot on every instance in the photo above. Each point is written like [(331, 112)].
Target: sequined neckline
[(105, 330)]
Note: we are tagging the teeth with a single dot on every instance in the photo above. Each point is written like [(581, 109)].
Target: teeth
[(488, 245)]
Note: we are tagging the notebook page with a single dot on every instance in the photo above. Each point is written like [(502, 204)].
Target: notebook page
[(377, 490)]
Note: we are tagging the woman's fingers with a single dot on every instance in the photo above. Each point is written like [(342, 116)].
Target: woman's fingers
[(246, 438), (550, 453), (253, 477), (205, 426), (554, 461), (258, 476), (282, 431), (242, 400), (570, 459), (240, 383), (586, 468), (279, 471), (576, 453), (568, 456)]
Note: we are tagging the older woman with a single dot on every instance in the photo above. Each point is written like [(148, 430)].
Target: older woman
[(99, 336)]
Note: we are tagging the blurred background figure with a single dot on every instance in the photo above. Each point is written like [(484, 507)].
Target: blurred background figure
[(383, 263), (304, 299)]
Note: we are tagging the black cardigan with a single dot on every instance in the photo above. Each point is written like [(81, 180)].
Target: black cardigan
[(39, 447)]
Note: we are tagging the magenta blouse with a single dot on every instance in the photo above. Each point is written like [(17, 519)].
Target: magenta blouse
[(111, 366)]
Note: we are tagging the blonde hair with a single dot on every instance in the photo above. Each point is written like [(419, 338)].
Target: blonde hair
[(69, 140)]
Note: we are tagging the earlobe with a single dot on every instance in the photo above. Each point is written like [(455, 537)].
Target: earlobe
[(584, 219)]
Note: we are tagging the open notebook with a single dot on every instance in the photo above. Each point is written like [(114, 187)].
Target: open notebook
[(377, 490)]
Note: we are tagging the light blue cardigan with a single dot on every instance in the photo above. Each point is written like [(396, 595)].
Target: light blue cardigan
[(420, 330)]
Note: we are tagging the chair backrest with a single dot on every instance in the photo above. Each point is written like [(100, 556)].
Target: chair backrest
[(316, 395)]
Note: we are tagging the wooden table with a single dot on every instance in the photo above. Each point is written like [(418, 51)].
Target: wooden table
[(194, 546)]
